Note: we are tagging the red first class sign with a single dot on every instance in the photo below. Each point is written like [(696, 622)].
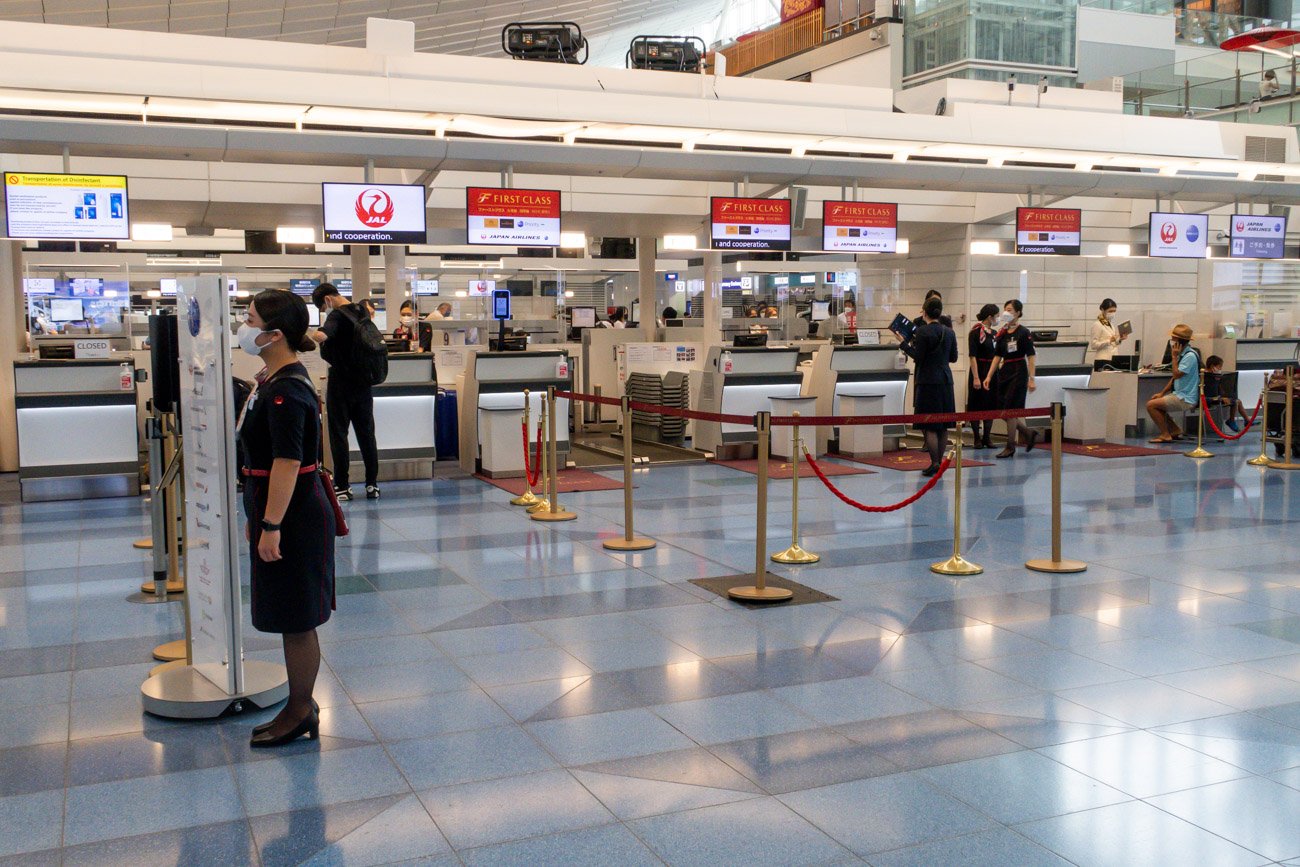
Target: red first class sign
[(487, 202), (750, 224), (1049, 231), (865, 215), (751, 211)]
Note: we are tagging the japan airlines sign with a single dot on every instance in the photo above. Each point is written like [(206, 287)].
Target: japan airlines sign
[(374, 213), (512, 218)]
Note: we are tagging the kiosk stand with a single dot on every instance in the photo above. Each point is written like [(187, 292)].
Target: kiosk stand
[(217, 680)]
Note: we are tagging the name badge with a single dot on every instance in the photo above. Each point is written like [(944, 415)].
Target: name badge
[(1011, 345)]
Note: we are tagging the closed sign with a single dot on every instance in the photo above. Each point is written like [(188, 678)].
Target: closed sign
[(94, 348)]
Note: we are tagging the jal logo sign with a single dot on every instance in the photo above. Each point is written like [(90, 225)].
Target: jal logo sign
[(375, 208), (1169, 233)]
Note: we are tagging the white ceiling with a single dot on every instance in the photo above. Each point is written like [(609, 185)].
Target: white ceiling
[(442, 26)]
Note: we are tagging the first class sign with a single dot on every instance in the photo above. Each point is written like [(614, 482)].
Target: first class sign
[(750, 224), (859, 227), (512, 218), (1048, 231)]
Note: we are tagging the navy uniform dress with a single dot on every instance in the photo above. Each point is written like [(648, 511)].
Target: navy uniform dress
[(981, 345), (1013, 347), (295, 593), (934, 348)]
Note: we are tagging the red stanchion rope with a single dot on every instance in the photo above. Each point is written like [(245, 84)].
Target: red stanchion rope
[(532, 477), (925, 489), (1205, 409)]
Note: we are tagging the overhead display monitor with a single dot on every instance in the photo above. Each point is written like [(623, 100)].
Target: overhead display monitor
[(167, 286), (303, 286), (66, 310), (512, 218), (750, 224), (374, 213), (481, 288), (344, 286), (1257, 237), (1179, 236), (86, 287), (859, 227), (1048, 231), (38, 285), (66, 207), (424, 287)]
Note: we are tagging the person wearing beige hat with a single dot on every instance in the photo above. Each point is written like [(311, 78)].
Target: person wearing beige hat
[(1182, 392)]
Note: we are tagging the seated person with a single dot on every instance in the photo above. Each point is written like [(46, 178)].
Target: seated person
[(443, 311), (1214, 393), (1182, 392)]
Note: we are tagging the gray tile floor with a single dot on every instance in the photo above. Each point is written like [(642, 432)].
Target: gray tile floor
[(501, 692)]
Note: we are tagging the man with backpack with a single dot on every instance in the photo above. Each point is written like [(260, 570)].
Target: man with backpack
[(358, 360)]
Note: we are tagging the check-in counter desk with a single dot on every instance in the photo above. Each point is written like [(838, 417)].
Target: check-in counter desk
[(757, 374), (77, 433), (404, 418), (1126, 414), (463, 332), (1257, 358), (1057, 366), (857, 371), (493, 387)]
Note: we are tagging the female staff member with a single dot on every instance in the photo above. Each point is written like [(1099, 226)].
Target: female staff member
[(934, 348), (406, 330), (1013, 364), (1105, 336), (290, 518), (981, 347)]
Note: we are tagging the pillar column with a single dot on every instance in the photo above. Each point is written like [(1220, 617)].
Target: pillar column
[(712, 297), (13, 344), (396, 287), (646, 295), (360, 271)]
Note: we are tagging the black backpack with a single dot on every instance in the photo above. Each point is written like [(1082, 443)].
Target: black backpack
[(369, 361)]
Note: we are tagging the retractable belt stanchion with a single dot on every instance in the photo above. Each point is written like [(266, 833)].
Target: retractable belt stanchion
[(157, 515), (759, 591), (527, 498), (175, 653), (169, 489), (556, 512), (1288, 427), (1057, 563), (795, 554), (1262, 460), (956, 564), (1200, 450), (629, 542)]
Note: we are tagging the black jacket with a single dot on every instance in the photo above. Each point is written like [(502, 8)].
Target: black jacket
[(933, 347)]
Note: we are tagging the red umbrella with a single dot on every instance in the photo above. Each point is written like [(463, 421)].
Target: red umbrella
[(1262, 37)]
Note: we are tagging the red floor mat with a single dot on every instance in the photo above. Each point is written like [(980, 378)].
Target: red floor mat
[(781, 469), (569, 482), (907, 461), (1112, 450)]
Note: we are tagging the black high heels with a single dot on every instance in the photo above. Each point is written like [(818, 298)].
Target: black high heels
[(257, 730), (310, 726), (930, 470), (1031, 440), (1008, 452)]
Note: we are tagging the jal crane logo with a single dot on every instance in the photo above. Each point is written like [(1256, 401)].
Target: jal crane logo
[(375, 208), (1168, 233)]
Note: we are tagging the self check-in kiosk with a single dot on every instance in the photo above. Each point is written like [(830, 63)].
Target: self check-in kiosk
[(741, 381), (492, 403), (857, 371), (1058, 366)]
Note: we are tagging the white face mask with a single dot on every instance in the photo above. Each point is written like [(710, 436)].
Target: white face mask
[(247, 337), (1006, 317), (408, 321)]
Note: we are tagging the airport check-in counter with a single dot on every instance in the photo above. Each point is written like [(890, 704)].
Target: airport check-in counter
[(757, 374), (1257, 358), (404, 418), (77, 433), (493, 385), (1058, 366), (857, 371)]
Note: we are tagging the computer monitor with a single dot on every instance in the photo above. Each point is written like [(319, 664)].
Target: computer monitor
[(583, 317), (66, 310), (510, 344), (821, 311), (313, 316), (750, 339)]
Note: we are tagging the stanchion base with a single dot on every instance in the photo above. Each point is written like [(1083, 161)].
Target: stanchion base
[(1283, 465), (172, 587), (542, 505), (171, 665), (183, 693), (171, 651), (956, 565), (1057, 566), (1261, 461), (794, 555), (143, 544), (1198, 452), (751, 593), (528, 498), (152, 598), (558, 515), (635, 544)]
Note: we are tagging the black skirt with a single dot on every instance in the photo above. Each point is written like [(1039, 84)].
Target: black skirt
[(1012, 385), (295, 593), (937, 398), (981, 399)]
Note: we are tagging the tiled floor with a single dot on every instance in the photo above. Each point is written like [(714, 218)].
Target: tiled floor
[(497, 691)]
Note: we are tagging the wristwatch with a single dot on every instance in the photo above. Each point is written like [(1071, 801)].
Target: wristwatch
[(269, 527)]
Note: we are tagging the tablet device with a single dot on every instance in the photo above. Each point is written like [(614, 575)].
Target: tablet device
[(903, 326)]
